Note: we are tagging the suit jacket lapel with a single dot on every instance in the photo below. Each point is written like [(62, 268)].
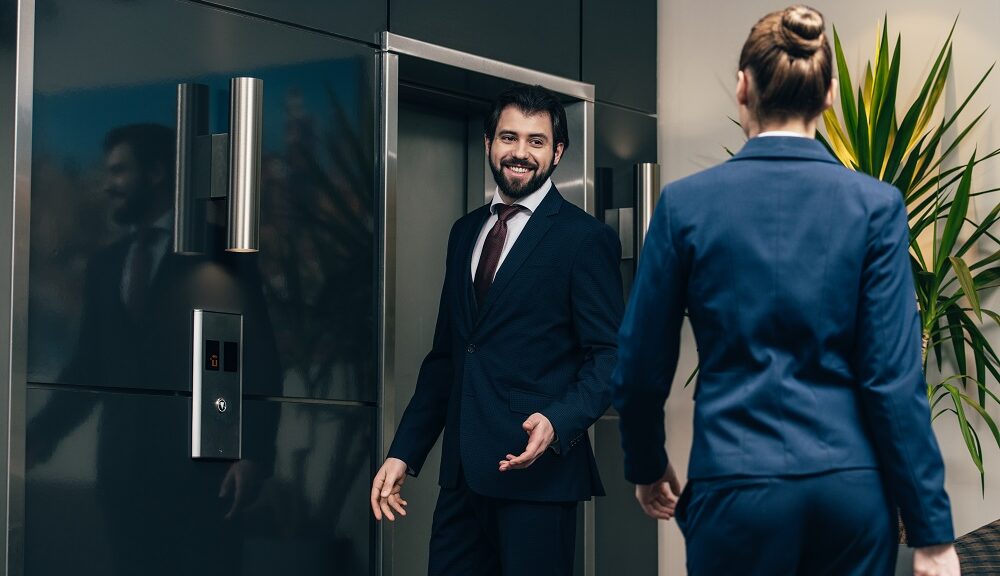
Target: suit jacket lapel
[(533, 232)]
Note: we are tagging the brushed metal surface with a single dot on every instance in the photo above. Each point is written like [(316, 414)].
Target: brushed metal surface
[(647, 191), (245, 113), (216, 394)]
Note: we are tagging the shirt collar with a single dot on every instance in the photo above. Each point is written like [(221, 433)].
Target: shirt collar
[(530, 202), (781, 133)]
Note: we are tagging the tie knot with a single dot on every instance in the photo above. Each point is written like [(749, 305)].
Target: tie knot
[(506, 211)]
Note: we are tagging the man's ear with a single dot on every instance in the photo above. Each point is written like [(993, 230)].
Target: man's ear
[(487, 142), (559, 152)]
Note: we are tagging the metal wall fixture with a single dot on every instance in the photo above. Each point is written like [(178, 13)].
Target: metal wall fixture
[(218, 166), (216, 385), (647, 194), (631, 224)]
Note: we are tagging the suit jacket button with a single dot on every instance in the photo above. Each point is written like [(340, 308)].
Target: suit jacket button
[(471, 348)]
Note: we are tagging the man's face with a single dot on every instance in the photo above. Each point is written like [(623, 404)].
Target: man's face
[(522, 154), (128, 185)]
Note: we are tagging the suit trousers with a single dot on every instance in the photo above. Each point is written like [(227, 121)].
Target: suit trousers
[(475, 535), (837, 523)]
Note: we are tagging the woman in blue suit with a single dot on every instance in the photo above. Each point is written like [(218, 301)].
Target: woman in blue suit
[(811, 422)]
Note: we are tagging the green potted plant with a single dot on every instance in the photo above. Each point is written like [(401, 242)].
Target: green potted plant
[(950, 269)]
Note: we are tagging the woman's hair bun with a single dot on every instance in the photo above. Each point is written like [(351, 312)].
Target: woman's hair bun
[(801, 31)]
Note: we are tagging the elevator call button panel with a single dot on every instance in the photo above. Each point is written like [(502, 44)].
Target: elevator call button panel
[(216, 385)]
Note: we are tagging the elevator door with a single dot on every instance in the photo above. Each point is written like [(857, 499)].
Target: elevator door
[(432, 191)]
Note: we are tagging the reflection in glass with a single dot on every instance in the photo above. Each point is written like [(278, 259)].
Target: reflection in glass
[(315, 271), (110, 487)]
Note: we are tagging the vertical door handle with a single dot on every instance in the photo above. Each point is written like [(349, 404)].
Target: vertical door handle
[(647, 193)]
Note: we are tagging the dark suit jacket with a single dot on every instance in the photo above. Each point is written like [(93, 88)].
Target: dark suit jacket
[(543, 341), (796, 275)]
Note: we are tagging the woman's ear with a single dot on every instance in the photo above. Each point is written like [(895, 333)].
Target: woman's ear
[(741, 88), (831, 93)]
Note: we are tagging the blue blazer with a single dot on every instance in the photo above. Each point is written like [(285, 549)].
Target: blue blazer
[(543, 341), (796, 276)]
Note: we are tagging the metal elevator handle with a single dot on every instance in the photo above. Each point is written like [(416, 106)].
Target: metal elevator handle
[(192, 122), (647, 187), (245, 114)]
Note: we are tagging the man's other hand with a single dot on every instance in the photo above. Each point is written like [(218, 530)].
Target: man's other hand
[(659, 499), (540, 436), (386, 488)]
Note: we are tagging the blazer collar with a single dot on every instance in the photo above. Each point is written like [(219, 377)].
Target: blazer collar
[(534, 230), (787, 147)]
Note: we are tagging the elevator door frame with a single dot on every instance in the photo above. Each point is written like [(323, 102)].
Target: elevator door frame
[(575, 179)]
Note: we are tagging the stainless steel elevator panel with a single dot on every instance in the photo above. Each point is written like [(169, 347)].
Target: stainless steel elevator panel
[(432, 185), (216, 385)]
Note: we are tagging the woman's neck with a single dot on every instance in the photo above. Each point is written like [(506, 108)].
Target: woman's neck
[(797, 125)]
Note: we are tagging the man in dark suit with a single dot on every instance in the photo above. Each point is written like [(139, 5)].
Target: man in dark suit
[(524, 345)]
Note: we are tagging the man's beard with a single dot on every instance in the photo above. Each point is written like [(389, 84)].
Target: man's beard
[(514, 190)]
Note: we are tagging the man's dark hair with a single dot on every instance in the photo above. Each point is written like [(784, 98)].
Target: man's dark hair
[(530, 100), (152, 144)]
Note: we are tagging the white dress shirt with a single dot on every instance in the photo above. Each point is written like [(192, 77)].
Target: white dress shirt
[(781, 133), (515, 225)]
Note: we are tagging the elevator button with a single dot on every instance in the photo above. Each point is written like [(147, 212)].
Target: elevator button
[(221, 405)]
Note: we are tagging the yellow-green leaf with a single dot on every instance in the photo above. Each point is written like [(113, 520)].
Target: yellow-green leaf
[(965, 280)]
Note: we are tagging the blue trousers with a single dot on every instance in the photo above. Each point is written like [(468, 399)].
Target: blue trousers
[(475, 535), (838, 523)]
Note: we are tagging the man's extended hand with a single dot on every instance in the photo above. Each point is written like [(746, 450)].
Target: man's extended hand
[(939, 560), (540, 436), (659, 499), (386, 488)]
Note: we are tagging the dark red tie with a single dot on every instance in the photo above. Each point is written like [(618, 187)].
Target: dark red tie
[(492, 248)]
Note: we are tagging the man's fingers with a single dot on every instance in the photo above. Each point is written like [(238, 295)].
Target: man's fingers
[(528, 456), (515, 461), (398, 504), (525, 459), (387, 486), (376, 490), (384, 505)]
